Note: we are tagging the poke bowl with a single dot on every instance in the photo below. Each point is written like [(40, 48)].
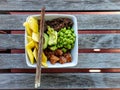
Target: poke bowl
[(60, 47)]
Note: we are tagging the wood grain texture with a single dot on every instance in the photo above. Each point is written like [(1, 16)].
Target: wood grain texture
[(85, 21), (11, 41), (61, 80), (85, 41), (12, 22), (101, 60), (99, 41), (85, 61), (13, 61), (57, 5)]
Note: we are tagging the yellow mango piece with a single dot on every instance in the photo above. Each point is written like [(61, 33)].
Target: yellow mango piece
[(36, 45), (44, 60), (35, 36), (28, 30), (35, 53), (44, 64), (33, 23), (30, 55), (29, 39), (30, 45)]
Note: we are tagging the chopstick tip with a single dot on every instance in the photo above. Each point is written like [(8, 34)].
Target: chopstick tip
[(36, 85)]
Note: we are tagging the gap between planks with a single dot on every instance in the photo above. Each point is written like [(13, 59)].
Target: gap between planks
[(61, 70), (117, 50), (69, 12)]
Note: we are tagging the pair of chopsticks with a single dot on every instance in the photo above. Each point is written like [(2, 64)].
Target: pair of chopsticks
[(40, 50)]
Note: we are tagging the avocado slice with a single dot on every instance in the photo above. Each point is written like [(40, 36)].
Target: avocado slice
[(45, 41)]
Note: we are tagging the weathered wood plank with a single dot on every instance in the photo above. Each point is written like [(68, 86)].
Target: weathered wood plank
[(13, 61), (85, 60), (12, 41), (99, 41), (57, 5), (12, 22), (85, 21), (101, 60), (61, 80), (88, 21)]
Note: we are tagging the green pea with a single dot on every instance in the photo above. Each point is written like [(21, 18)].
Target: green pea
[(65, 36), (66, 32), (63, 30), (69, 35), (72, 30), (58, 40), (69, 28), (72, 38), (68, 41), (61, 38), (61, 33), (73, 35), (69, 46), (61, 45), (72, 45), (65, 46), (64, 50), (58, 46)]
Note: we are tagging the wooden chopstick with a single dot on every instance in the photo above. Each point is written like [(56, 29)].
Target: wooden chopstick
[(40, 50)]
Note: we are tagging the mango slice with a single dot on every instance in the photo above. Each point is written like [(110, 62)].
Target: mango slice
[(30, 45), (33, 24), (36, 45), (35, 36), (28, 30), (35, 53), (30, 55), (29, 39), (44, 60)]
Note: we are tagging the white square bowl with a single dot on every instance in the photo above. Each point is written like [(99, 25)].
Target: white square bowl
[(74, 51)]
